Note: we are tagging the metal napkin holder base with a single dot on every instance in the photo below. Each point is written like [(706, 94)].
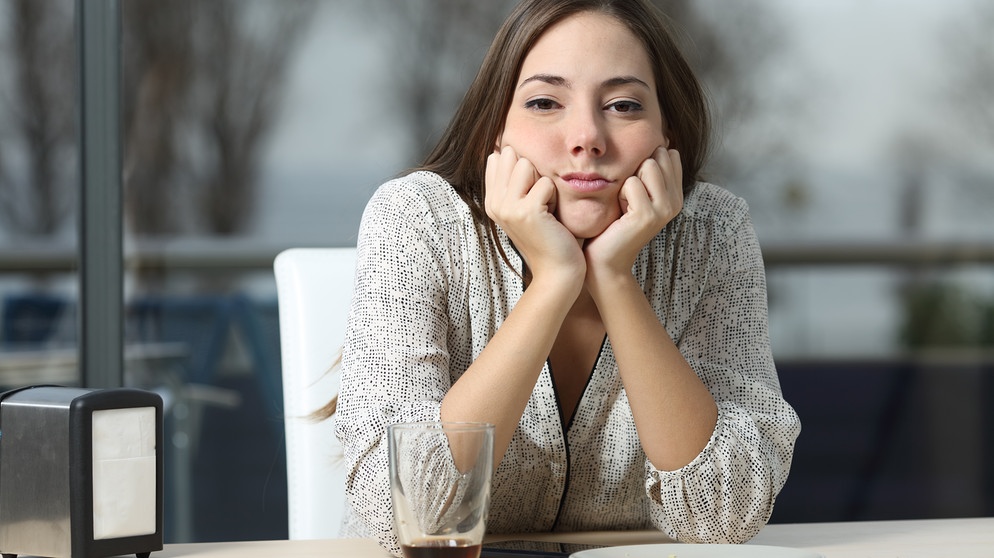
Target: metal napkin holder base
[(47, 480)]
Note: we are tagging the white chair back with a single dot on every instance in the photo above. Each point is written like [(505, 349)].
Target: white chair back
[(314, 290)]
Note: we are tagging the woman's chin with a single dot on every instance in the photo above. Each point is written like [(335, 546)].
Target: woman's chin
[(586, 229), (589, 223)]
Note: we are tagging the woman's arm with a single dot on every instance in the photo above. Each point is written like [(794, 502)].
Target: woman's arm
[(497, 386), (726, 493), (673, 410)]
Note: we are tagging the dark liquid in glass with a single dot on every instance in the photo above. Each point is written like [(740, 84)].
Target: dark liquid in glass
[(441, 548)]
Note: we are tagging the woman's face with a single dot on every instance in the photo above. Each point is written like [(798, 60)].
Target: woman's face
[(586, 114)]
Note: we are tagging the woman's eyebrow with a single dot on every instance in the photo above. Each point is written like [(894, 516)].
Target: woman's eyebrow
[(625, 80), (560, 81)]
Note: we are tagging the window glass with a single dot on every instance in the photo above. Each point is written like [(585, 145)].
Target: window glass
[(858, 133)]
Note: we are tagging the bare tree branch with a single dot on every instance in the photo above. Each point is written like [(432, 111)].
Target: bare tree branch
[(732, 45), (158, 59), (435, 47), (241, 84), (36, 186), (208, 79), (969, 44), (956, 132)]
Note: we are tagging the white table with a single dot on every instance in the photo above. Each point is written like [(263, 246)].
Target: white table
[(958, 538)]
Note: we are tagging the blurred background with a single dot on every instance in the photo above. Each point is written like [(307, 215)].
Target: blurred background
[(860, 133)]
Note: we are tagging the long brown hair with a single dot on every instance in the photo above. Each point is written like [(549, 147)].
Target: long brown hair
[(460, 155)]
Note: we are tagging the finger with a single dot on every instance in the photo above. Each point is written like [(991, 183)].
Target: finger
[(492, 191), (508, 159), (553, 199), (499, 167), (623, 198), (543, 193), (634, 194), (671, 166), (491, 171), (677, 166), (653, 178), (672, 172), (665, 177), (522, 178)]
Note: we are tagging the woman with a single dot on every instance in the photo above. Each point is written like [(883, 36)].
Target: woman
[(557, 269)]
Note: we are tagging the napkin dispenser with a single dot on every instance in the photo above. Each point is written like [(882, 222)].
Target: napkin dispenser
[(80, 472)]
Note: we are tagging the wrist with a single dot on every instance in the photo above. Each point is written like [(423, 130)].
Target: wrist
[(560, 284), (605, 283)]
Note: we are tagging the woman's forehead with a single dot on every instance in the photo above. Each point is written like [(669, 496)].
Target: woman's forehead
[(588, 45)]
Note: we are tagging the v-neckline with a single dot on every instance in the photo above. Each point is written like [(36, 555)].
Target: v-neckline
[(572, 365), (568, 414)]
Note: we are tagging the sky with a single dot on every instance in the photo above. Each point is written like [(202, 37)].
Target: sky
[(876, 65)]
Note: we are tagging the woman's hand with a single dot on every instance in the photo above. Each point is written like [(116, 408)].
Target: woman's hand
[(522, 203), (649, 200)]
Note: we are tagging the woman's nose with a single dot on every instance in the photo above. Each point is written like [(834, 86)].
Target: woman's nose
[(586, 134)]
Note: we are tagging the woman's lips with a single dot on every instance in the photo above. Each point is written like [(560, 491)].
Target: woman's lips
[(586, 182)]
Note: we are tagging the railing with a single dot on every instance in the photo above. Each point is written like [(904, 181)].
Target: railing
[(250, 255)]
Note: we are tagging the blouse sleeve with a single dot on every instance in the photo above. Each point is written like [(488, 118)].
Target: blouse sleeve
[(395, 365), (726, 494)]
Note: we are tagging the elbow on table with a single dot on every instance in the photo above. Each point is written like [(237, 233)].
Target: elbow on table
[(728, 532), (728, 521)]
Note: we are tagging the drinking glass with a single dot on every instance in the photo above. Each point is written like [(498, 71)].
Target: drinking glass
[(440, 485)]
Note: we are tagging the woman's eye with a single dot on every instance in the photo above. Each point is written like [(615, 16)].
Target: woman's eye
[(541, 104), (625, 106)]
